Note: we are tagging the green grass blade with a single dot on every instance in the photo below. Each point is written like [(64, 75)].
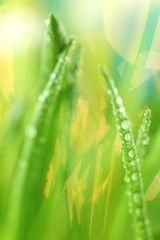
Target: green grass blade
[(143, 138), (54, 43), (70, 91), (133, 176), (30, 175), (56, 196)]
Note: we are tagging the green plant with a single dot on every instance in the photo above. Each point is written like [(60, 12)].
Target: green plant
[(61, 177), (29, 180), (131, 162)]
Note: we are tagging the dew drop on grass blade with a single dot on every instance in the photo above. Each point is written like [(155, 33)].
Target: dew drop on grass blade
[(67, 100), (55, 41), (133, 176), (70, 91), (31, 170), (143, 136)]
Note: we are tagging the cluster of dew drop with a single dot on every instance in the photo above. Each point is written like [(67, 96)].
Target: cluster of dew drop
[(143, 137), (36, 139), (35, 129), (54, 84), (130, 160), (131, 164)]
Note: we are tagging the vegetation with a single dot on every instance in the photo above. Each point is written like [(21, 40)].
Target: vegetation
[(61, 175)]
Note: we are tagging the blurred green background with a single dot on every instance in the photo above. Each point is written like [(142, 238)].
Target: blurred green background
[(124, 37)]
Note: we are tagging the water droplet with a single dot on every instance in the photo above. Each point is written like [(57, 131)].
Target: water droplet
[(46, 93), (41, 98), (135, 177), (127, 179), (53, 76), (115, 91), (32, 132), (136, 197), (125, 124), (109, 91), (119, 100), (133, 163), (138, 212), (61, 60), (127, 136), (131, 153), (146, 141), (122, 110)]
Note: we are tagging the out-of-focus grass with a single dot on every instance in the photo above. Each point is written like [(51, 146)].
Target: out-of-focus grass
[(85, 193)]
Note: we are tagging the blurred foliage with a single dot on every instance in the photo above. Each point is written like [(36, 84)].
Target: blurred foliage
[(84, 196)]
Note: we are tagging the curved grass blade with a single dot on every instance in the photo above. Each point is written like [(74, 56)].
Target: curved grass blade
[(133, 176), (143, 138), (70, 92), (67, 99), (32, 167), (55, 42)]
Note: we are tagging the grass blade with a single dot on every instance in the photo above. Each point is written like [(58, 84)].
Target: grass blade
[(67, 99), (143, 138), (30, 176), (133, 176), (55, 42)]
